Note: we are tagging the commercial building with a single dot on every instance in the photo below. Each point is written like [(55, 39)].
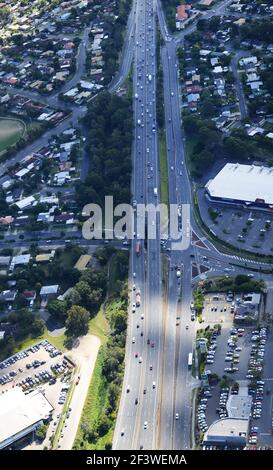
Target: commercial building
[(248, 309), (246, 185), (21, 415), (227, 433)]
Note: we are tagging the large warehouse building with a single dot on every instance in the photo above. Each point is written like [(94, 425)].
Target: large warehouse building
[(247, 185), (21, 415)]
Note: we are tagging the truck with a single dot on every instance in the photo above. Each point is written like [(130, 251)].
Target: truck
[(150, 77), (155, 192), (138, 248), (138, 298), (190, 360)]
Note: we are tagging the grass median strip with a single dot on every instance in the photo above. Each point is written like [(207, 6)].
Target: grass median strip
[(163, 169)]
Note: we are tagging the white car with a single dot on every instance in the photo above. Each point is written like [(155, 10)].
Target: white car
[(176, 416), (145, 425), (133, 340), (142, 316), (140, 360)]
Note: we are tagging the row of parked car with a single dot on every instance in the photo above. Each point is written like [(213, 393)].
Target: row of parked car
[(254, 374), (212, 347), (36, 379), (53, 352), (256, 361), (63, 394), (202, 407), (13, 359), (60, 367), (222, 408)]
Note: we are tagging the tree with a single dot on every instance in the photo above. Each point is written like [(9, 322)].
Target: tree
[(104, 425), (41, 432), (57, 308), (241, 279), (77, 321), (38, 327)]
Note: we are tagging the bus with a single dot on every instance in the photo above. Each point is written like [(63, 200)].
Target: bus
[(190, 360)]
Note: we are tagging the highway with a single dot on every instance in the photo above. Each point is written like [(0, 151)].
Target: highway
[(138, 412)]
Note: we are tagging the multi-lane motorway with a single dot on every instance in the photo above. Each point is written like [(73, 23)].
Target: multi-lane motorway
[(139, 408)]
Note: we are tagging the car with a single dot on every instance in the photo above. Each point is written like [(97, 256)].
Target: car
[(145, 425), (133, 340), (136, 354), (142, 316), (128, 389), (122, 432), (144, 391), (187, 327), (140, 360), (176, 416)]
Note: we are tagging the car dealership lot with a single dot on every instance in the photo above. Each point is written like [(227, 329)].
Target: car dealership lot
[(252, 350), (240, 354)]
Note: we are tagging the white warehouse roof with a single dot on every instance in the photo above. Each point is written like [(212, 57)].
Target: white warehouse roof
[(18, 412), (243, 183), (227, 427)]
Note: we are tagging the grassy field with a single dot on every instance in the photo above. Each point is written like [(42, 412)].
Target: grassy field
[(11, 130), (57, 341)]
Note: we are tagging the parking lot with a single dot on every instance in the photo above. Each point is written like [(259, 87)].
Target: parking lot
[(243, 356), (44, 367), (243, 228), (39, 365)]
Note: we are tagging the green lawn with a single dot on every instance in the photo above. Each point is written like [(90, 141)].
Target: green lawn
[(98, 326), (11, 130), (163, 169)]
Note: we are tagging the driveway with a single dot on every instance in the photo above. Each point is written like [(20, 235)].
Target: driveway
[(85, 355)]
